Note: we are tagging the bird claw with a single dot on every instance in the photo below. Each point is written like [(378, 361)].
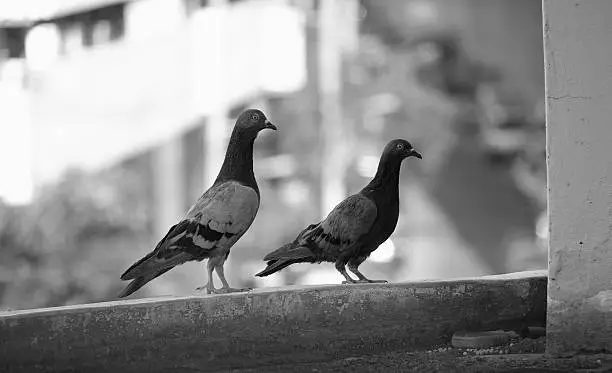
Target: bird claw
[(211, 290), (233, 290), (366, 281), (206, 289)]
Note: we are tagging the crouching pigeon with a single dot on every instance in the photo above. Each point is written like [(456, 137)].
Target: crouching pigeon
[(218, 218), (355, 227)]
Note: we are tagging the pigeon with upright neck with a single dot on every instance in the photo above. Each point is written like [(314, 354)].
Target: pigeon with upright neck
[(355, 227), (218, 218)]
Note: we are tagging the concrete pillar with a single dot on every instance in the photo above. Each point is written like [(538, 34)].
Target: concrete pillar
[(216, 137), (168, 185), (334, 41), (218, 128), (577, 38)]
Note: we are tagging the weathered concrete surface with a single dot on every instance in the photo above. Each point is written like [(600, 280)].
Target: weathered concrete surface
[(449, 362), (265, 326), (577, 38)]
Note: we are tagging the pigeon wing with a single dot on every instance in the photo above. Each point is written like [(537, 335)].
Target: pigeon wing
[(211, 227), (342, 228)]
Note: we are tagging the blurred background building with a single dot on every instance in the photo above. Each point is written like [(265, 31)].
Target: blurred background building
[(114, 117)]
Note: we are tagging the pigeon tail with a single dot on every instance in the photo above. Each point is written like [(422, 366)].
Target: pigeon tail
[(286, 255), (151, 264), (129, 273), (139, 282)]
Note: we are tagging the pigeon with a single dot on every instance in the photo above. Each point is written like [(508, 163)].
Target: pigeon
[(218, 218), (355, 227)]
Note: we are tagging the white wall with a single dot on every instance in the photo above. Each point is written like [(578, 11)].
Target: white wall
[(96, 107), (16, 185), (578, 56)]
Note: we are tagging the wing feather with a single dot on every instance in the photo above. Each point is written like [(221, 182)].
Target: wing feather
[(218, 219), (342, 228), (211, 227)]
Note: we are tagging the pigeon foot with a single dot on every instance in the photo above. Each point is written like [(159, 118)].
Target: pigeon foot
[(206, 289), (368, 281), (209, 290), (232, 290)]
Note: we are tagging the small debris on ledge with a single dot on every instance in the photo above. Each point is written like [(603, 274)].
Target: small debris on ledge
[(494, 342), (525, 346), (520, 354), (480, 340)]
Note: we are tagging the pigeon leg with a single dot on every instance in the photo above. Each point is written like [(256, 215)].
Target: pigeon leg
[(226, 288), (210, 286), (354, 267), (340, 266)]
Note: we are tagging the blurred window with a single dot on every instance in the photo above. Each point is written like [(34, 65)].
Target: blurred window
[(72, 35), (193, 5), (12, 42), (96, 27), (104, 25)]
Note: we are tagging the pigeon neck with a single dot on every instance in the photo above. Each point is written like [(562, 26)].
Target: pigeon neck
[(238, 163), (387, 175)]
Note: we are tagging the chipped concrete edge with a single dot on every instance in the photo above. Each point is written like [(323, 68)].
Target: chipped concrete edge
[(152, 301)]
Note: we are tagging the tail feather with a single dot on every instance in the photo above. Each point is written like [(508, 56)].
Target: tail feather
[(275, 266), (150, 264), (288, 251), (129, 273), (285, 256), (139, 282)]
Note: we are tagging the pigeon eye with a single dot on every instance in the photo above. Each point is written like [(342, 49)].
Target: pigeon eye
[(400, 146), (255, 117)]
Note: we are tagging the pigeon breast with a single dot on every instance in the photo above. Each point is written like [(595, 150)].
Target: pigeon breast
[(223, 215)]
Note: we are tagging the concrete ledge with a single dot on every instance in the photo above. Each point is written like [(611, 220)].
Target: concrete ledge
[(265, 326)]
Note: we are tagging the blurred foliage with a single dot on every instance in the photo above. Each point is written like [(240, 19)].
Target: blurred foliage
[(510, 132), (66, 247), (484, 144)]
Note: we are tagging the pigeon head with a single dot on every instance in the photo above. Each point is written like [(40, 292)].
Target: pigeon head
[(387, 174), (401, 149), (252, 121)]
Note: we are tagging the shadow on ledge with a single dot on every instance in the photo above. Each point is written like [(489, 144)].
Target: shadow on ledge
[(265, 327)]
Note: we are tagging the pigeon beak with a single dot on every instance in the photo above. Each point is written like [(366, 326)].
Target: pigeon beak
[(414, 153), (270, 125)]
